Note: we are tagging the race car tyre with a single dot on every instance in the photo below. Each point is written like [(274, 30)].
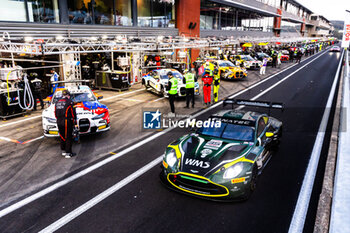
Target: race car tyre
[(252, 185), (222, 75), (162, 91), (277, 140), (146, 85)]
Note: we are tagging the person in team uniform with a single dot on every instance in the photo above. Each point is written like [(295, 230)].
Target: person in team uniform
[(66, 119), (36, 87), (207, 80), (189, 80), (172, 90), (216, 84)]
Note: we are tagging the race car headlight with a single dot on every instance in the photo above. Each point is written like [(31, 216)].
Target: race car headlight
[(51, 120), (99, 116), (170, 158), (233, 171)]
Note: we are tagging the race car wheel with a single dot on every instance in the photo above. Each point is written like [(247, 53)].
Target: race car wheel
[(252, 185), (277, 140), (162, 91), (222, 75), (146, 84)]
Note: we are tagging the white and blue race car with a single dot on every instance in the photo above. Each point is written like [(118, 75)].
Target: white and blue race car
[(157, 81), (92, 116)]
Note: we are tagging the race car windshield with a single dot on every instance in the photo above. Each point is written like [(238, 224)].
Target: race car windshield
[(176, 74), (82, 97), (263, 55), (229, 131), (226, 64), (247, 58)]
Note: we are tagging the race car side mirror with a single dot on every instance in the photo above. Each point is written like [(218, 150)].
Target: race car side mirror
[(100, 97), (269, 134)]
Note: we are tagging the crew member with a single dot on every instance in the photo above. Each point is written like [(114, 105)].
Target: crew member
[(189, 80), (296, 55), (216, 85), (210, 67), (279, 57), (54, 78), (274, 60), (36, 87), (207, 80), (299, 55), (263, 66), (172, 90), (66, 117)]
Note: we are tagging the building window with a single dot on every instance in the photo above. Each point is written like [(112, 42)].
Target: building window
[(103, 12), (211, 13), (144, 14), (80, 11), (156, 13), (12, 10), (43, 11), (123, 13)]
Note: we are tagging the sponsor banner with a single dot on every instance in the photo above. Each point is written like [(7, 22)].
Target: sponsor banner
[(346, 34), (238, 180)]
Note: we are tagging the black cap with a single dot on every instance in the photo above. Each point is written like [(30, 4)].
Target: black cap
[(65, 92), (170, 73)]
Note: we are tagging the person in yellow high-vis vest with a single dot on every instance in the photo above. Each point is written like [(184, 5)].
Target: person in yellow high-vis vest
[(172, 90), (189, 80), (216, 85), (209, 66)]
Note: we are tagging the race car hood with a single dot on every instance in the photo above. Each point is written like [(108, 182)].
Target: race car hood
[(83, 109), (232, 69), (204, 155), (93, 106)]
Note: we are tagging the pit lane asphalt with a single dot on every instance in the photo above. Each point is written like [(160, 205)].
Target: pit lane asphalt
[(25, 169), (146, 206)]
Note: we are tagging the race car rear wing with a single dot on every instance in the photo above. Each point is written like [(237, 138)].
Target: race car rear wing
[(254, 103)]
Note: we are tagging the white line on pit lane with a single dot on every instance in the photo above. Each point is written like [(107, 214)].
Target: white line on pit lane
[(116, 96), (299, 216), (156, 100), (20, 121), (61, 183), (97, 199), (86, 206)]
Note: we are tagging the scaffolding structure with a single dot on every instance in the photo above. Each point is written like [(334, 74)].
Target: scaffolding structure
[(91, 45)]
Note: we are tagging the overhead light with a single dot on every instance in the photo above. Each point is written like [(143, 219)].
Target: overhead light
[(118, 38), (59, 37), (104, 37), (28, 39), (93, 38)]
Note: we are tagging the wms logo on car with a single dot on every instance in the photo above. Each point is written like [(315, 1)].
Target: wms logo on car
[(152, 120)]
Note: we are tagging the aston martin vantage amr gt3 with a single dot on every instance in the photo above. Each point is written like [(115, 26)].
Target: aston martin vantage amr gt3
[(222, 161)]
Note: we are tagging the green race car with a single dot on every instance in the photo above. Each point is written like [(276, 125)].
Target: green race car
[(221, 161)]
